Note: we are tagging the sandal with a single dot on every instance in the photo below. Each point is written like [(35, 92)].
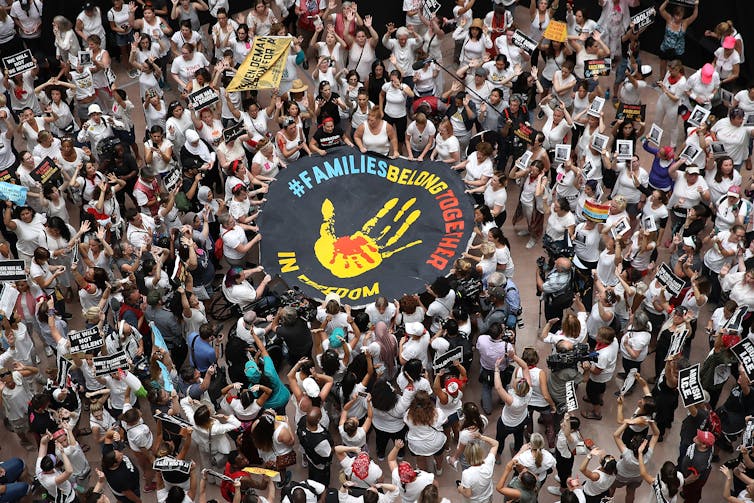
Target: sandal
[(591, 415)]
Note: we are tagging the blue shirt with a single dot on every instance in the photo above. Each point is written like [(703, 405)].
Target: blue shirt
[(202, 350), (280, 394)]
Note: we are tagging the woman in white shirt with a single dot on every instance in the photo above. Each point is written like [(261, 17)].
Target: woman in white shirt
[(727, 62), (632, 178), (29, 227), (600, 480), (536, 458), (478, 168), (66, 44), (634, 345), (425, 437), (723, 250), (557, 126), (515, 410), (210, 435), (721, 176), (476, 480), (475, 42), (393, 99), (420, 137), (447, 148), (560, 220), (670, 479)]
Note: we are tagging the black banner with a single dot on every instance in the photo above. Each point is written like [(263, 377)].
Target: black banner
[(525, 132), (171, 464), (84, 341), (672, 283), (203, 98), (523, 42), (104, 365), (644, 18), (235, 131), (447, 358), (19, 62), (366, 226), (47, 173), (690, 386), (744, 351), (631, 112), (12, 270), (601, 66)]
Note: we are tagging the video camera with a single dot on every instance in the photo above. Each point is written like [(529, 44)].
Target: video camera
[(556, 249), (570, 359), (305, 307)]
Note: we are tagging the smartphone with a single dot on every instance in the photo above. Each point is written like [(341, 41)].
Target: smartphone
[(363, 394)]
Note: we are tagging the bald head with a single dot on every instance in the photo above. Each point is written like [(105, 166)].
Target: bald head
[(563, 264), (313, 417)]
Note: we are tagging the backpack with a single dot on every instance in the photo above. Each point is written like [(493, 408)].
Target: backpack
[(286, 491), (468, 350), (713, 424), (219, 246)]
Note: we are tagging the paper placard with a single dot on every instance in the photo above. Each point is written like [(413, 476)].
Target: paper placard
[(629, 382), (19, 62), (64, 370), (655, 135), (562, 152), (203, 98), (676, 342), (8, 299), (47, 173), (631, 112), (648, 223), (733, 325), (690, 386), (744, 351), (430, 8), (597, 67), (672, 283), (698, 115), (643, 18), (556, 30), (274, 475), (523, 42), (718, 149), (690, 153), (176, 420), (524, 161), (748, 438), (624, 150), (726, 97), (572, 403), (599, 142), (171, 464), (595, 108), (104, 365), (620, 228), (173, 178), (85, 58), (84, 341), (12, 270), (13, 193), (235, 131), (445, 359)]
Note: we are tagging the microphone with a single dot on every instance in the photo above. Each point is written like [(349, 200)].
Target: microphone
[(420, 64)]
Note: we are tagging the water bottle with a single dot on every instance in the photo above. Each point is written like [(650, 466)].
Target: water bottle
[(607, 95)]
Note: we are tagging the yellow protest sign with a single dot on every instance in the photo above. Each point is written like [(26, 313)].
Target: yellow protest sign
[(264, 65), (273, 474), (556, 30)]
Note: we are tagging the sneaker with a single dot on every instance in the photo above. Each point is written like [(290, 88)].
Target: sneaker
[(438, 471), (557, 479), (380, 458), (48, 351), (133, 73), (554, 490), (522, 232), (452, 463), (531, 243)]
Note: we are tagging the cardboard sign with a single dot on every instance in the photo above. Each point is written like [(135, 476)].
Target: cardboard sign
[(203, 98), (690, 153), (698, 115), (599, 142), (523, 42), (104, 365), (595, 108), (718, 149), (562, 152), (690, 386), (19, 62), (644, 19), (47, 173), (84, 341), (624, 150), (733, 325), (655, 135), (447, 358), (744, 351), (8, 298), (12, 270), (628, 383), (13, 193), (672, 283), (526, 133), (171, 464), (594, 67), (173, 178), (235, 131), (556, 30), (620, 228), (631, 112), (572, 403), (676, 342), (524, 161)]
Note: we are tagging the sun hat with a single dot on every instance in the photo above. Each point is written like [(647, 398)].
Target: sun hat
[(298, 86)]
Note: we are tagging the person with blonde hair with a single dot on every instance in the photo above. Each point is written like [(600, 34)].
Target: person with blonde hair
[(476, 480), (536, 458), (515, 410)]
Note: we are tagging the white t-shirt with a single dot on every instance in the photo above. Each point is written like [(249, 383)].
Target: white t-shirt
[(723, 65), (557, 226), (637, 341), (735, 139), (426, 440), (476, 170), (185, 69), (685, 195), (446, 147), (606, 360), (516, 412), (527, 459), (232, 239), (395, 100), (715, 260), (410, 492), (373, 475), (479, 480)]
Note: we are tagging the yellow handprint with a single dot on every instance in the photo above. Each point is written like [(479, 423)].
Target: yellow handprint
[(350, 256)]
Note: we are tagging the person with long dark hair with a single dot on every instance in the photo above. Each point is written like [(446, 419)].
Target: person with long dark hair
[(389, 408)]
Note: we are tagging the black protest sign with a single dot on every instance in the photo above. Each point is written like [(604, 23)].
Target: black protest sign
[(173, 178), (523, 42), (171, 464), (445, 359), (644, 18), (19, 62), (64, 369), (235, 131), (733, 325), (84, 341), (676, 341), (12, 270), (203, 98), (572, 403), (628, 383), (104, 365), (690, 386), (47, 173), (672, 283), (744, 351), (631, 112), (525, 132), (601, 66)]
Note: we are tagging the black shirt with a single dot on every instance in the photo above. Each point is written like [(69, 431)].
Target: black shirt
[(41, 422), (123, 478), (297, 335), (328, 140)]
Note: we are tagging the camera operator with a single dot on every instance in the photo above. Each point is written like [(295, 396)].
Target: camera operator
[(560, 375), (556, 287), (506, 301), (602, 313), (600, 372)]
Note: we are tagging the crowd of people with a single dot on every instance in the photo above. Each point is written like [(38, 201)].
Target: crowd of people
[(352, 396)]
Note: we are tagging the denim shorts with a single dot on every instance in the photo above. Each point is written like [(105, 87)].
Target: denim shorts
[(122, 39)]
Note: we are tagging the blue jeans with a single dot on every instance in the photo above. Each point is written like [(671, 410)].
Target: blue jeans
[(14, 491)]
